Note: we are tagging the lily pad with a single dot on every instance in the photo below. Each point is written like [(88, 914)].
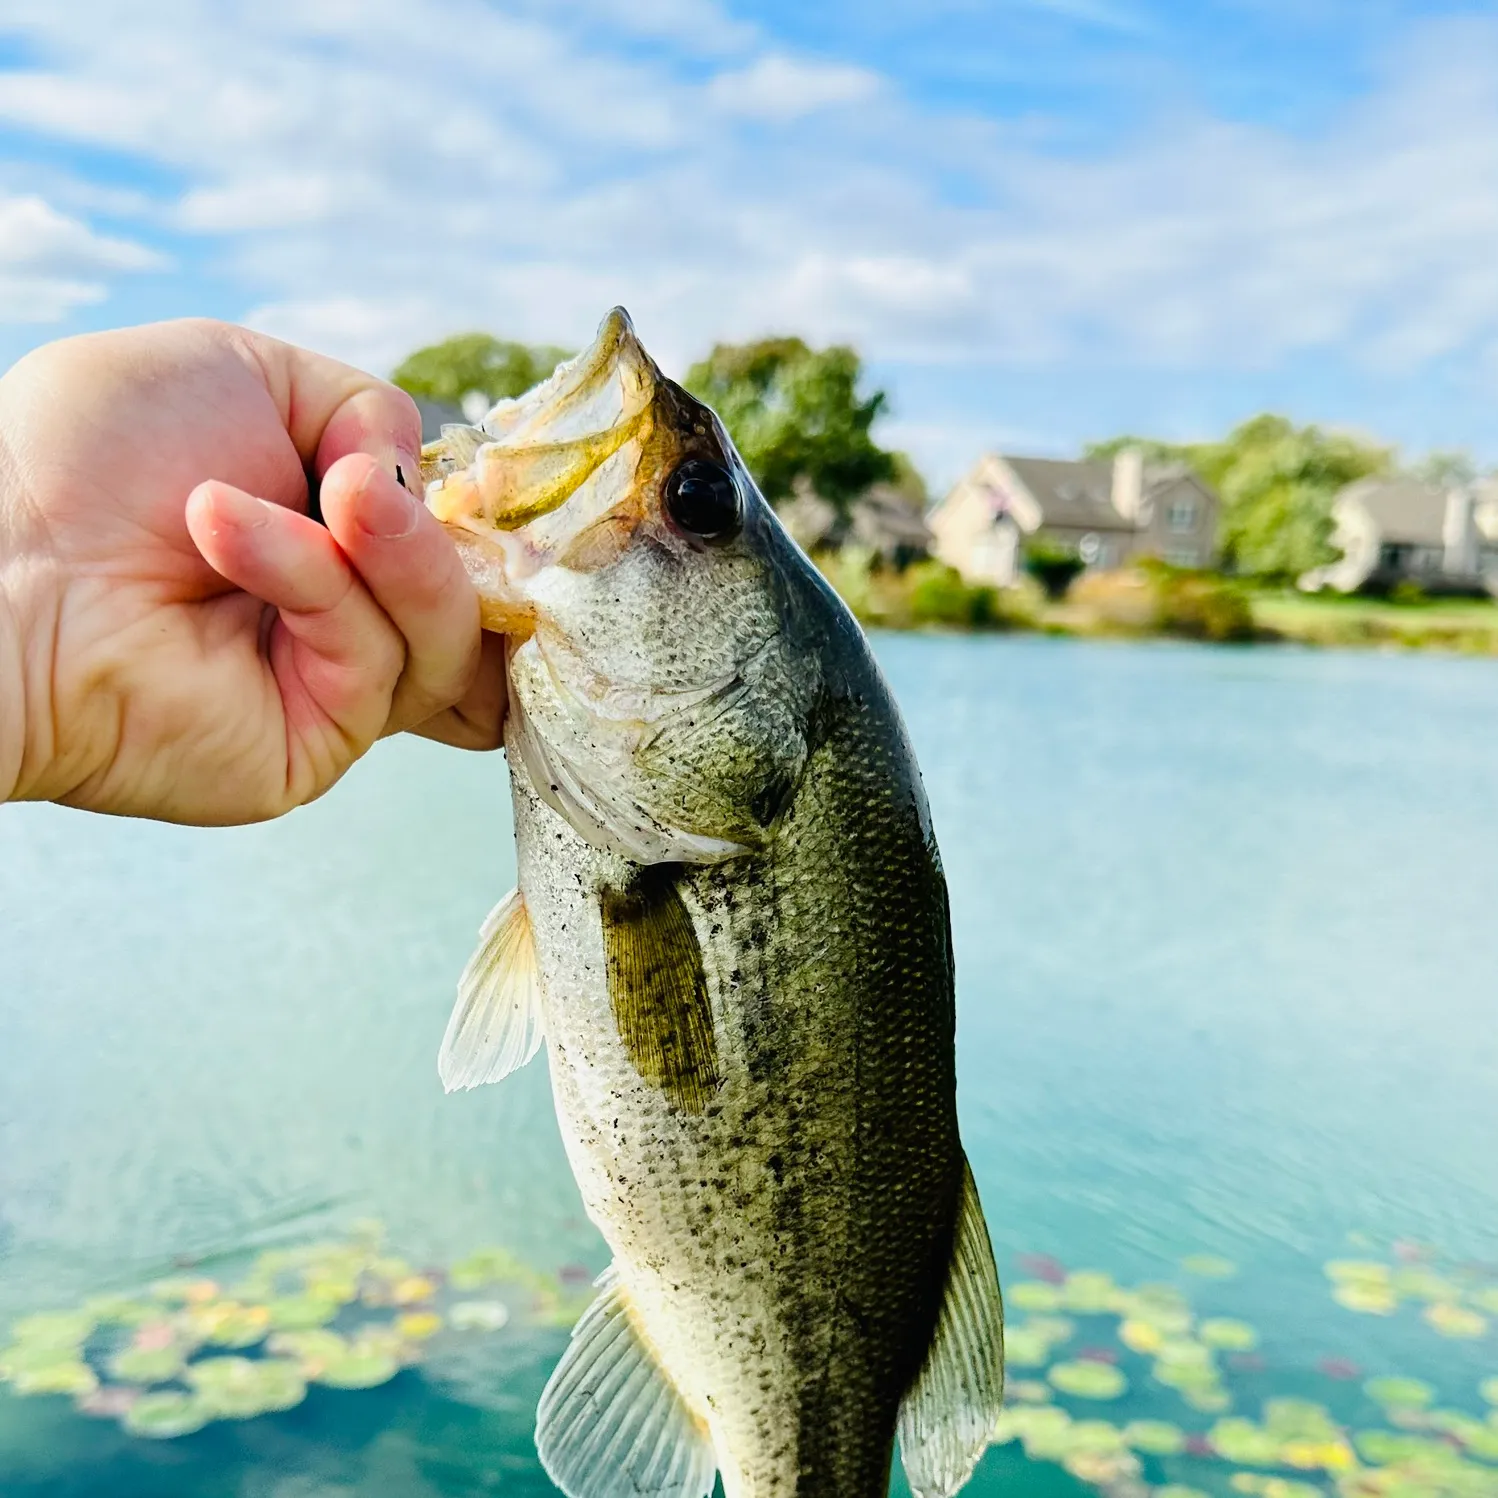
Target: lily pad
[(146, 1365), (477, 1315), (1182, 1352), (1455, 1321), (1273, 1487), (1209, 1266), (1488, 1388), (1140, 1336), (1244, 1443), (311, 1349), (1299, 1420), (164, 1416), (1027, 1390), (1155, 1437), (120, 1310), (241, 1388), (341, 1289), (1210, 1399), (363, 1364), (1400, 1393), (226, 1323), (1308, 1456), (417, 1326), (1034, 1295), (1089, 1292), (1486, 1298), (54, 1329), (65, 1375), (1025, 1348), (1419, 1283), (1089, 1380), (1366, 1299), (1359, 1272), (1227, 1335), (490, 1266), (292, 1313), (183, 1291)]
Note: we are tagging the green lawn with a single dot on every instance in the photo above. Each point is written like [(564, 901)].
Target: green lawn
[(1466, 624)]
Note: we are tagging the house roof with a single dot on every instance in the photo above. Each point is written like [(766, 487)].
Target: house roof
[(1079, 495), (435, 415), (883, 517), (1404, 510)]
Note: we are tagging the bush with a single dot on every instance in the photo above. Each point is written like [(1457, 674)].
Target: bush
[(1200, 606), (1154, 598), (940, 595), (1054, 567), (926, 592)]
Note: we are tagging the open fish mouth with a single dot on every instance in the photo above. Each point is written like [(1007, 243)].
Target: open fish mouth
[(496, 485)]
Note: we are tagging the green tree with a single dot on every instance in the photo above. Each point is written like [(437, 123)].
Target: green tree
[(1277, 482), (796, 412), (1445, 469), (494, 367)]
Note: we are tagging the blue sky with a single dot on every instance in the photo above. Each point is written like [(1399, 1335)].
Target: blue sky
[(1040, 220)]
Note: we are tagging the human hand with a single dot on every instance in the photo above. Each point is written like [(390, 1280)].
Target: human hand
[(177, 638)]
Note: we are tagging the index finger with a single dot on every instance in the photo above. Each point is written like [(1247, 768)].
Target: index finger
[(330, 409)]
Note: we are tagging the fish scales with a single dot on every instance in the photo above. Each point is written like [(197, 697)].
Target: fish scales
[(743, 970)]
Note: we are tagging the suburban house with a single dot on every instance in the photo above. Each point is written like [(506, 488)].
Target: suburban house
[(1400, 530), (883, 520), (1107, 513)]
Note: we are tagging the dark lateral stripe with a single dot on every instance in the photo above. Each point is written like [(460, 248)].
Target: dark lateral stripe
[(658, 989)]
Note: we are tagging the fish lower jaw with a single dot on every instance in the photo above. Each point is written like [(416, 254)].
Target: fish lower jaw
[(486, 560)]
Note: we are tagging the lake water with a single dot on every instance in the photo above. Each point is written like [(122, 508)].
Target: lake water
[(1227, 936)]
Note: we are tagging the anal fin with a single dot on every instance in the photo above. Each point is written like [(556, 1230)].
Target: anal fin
[(948, 1415), (610, 1423), (496, 1024)]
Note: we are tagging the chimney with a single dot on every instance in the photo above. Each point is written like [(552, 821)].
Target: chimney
[(1128, 483), (1459, 534)]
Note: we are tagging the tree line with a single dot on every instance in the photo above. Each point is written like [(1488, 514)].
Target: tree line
[(804, 415)]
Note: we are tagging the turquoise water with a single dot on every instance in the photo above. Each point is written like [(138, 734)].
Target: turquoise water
[(1227, 947)]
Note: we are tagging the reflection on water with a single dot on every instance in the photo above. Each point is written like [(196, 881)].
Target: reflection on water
[(1226, 957)]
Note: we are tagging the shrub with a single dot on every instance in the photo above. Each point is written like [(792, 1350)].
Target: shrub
[(940, 595), (1200, 606), (1054, 567), (1154, 598)]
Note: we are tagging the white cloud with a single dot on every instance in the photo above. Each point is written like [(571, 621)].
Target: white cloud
[(780, 88), (51, 263), (391, 171)]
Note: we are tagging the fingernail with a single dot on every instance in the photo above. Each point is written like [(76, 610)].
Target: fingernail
[(385, 509), (408, 472)]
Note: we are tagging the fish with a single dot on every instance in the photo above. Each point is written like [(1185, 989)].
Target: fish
[(731, 932)]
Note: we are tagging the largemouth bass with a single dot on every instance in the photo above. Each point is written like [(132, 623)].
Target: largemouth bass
[(731, 929)]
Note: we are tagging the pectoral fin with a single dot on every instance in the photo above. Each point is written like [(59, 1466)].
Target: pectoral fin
[(658, 989), (947, 1419), (610, 1423), (496, 1024)]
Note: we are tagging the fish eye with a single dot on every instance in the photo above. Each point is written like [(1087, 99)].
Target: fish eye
[(703, 500)]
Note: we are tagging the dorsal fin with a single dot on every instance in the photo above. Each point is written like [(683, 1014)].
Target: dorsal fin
[(947, 1418), (496, 1024), (610, 1423)]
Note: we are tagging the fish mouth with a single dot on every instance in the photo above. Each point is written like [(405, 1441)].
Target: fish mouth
[(498, 487)]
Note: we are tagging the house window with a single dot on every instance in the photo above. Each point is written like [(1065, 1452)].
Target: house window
[(1393, 557), (1181, 515), (1181, 558), (1090, 549)]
